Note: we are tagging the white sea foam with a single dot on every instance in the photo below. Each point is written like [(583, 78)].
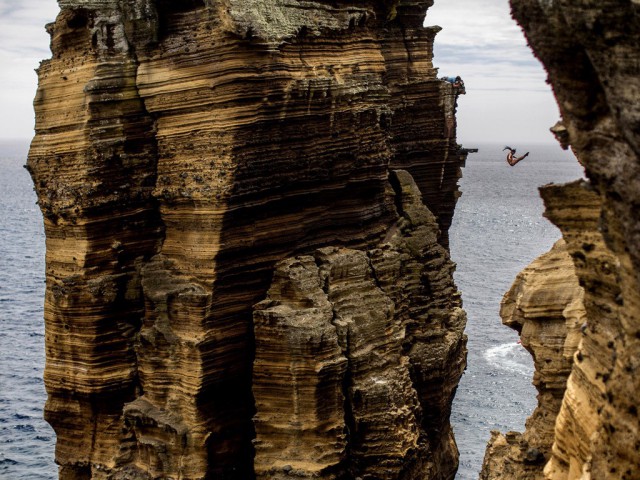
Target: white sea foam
[(510, 357)]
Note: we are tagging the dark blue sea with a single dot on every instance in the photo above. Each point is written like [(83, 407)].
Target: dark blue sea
[(498, 229)]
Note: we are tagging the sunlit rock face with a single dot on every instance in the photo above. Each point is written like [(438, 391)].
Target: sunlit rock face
[(545, 305), (590, 51), (184, 149), (575, 208)]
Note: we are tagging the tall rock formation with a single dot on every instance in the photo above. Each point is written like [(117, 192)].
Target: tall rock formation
[(375, 337), (184, 149), (583, 420), (590, 50), (545, 305)]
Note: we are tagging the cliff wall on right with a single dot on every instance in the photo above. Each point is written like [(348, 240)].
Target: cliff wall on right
[(591, 51)]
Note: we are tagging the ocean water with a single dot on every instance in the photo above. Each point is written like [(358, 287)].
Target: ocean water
[(498, 229), (26, 440)]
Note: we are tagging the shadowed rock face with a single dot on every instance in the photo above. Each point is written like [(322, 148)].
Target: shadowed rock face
[(358, 354), (182, 150), (590, 51)]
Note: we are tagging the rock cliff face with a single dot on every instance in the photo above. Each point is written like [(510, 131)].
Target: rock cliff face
[(590, 51), (582, 419), (376, 337), (182, 151), (545, 305)]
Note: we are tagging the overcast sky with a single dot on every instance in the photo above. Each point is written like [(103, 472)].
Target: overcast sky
[(507, 98), (23, 43)]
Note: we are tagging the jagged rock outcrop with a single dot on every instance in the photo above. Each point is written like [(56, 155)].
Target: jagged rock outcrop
[(545, 305), (575, 208), (377, 337), (590, 51), (574, 354), (182, 150)]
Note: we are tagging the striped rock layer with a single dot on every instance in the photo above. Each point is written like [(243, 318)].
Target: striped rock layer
[(357, 357), (545, 305), (182, 150), (591, 51)]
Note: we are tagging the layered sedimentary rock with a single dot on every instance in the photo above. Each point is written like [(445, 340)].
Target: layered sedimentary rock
[(574, 353), (590, 51), (182, 150), (377, 338), (575, 208), (545, 305)]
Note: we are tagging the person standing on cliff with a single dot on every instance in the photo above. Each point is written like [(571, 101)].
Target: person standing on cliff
[(511, 156)]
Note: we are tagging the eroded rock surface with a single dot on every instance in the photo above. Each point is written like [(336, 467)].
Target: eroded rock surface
[(182, 150), (574, 353), (545, 305), (590, 51), (377, 337), (575, 208)]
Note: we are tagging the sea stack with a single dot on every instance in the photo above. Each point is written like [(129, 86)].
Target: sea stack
[(246, 206)]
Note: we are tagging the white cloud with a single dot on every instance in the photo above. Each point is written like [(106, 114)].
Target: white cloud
[(474, 22), (23, 44), (507, 95), (506, 117), (22, 26)]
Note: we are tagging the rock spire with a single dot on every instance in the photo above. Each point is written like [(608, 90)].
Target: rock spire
[(183, 152)]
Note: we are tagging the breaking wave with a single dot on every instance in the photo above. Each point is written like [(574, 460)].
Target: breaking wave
[(511, 357)]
